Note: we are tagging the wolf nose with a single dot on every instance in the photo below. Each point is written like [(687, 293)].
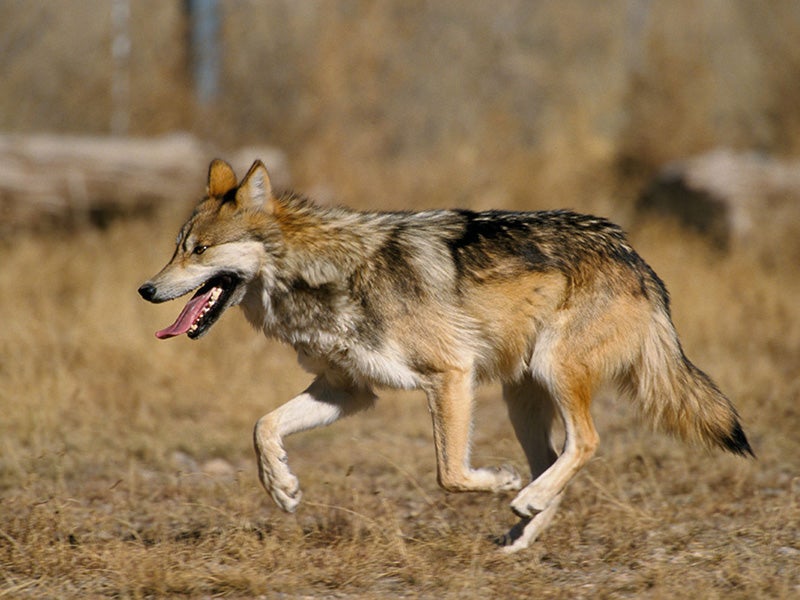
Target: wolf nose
[(147, 291)]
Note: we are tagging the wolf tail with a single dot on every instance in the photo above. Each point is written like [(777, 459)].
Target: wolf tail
[(679, 398)]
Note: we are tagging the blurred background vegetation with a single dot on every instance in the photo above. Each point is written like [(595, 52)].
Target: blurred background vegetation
[(126, 466), (401, 103)]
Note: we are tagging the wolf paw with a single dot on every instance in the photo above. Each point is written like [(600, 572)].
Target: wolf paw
[(496, 479), (508, 478), (281, 484), (530, 502), (287, 497)]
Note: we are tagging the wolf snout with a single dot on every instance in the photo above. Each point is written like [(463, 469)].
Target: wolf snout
[(147, 291)]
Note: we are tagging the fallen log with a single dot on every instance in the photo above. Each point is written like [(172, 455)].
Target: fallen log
[(70, 181)]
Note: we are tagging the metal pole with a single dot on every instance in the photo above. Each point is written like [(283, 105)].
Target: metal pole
[(205, 52), (120, 75)]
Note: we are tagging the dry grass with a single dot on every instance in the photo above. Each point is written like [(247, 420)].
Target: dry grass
[(126, 467)]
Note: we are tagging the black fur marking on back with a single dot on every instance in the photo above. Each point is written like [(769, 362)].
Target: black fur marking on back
[(488, 234)]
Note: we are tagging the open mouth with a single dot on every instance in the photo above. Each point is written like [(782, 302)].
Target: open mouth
[(205, 307)]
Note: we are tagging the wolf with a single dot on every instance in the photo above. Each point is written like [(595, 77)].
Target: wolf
[(552, 304)]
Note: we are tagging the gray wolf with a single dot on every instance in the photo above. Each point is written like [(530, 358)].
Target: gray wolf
[(552, 304)]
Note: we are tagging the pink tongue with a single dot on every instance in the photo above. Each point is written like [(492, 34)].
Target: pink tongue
[(188, 316)]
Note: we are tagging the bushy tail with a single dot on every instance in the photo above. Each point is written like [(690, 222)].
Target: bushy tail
[(678, 397)]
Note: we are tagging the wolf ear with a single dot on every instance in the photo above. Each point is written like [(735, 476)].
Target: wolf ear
[(255, 191), (221, 178)]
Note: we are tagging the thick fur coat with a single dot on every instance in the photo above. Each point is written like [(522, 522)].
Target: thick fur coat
[(551, 303)]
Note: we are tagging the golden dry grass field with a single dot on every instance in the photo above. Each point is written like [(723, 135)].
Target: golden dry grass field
[(126, 467), (126, 463)]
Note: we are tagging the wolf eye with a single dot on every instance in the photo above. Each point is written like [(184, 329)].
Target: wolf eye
[(199, 249)]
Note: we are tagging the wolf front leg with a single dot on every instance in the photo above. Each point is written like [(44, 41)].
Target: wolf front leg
[(450, 403), (327, 399)]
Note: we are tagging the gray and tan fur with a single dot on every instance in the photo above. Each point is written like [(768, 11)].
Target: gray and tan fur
[(553, 304)]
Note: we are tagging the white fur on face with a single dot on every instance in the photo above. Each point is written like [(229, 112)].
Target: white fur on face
[(243, 259)]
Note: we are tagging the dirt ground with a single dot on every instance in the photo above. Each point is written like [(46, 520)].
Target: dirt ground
[(127, 471)]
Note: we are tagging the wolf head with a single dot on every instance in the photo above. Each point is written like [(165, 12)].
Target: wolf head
[(220, 250)]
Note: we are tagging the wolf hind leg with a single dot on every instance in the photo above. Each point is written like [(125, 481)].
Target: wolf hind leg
[(532, 412), (572, 396), (326, 400)]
